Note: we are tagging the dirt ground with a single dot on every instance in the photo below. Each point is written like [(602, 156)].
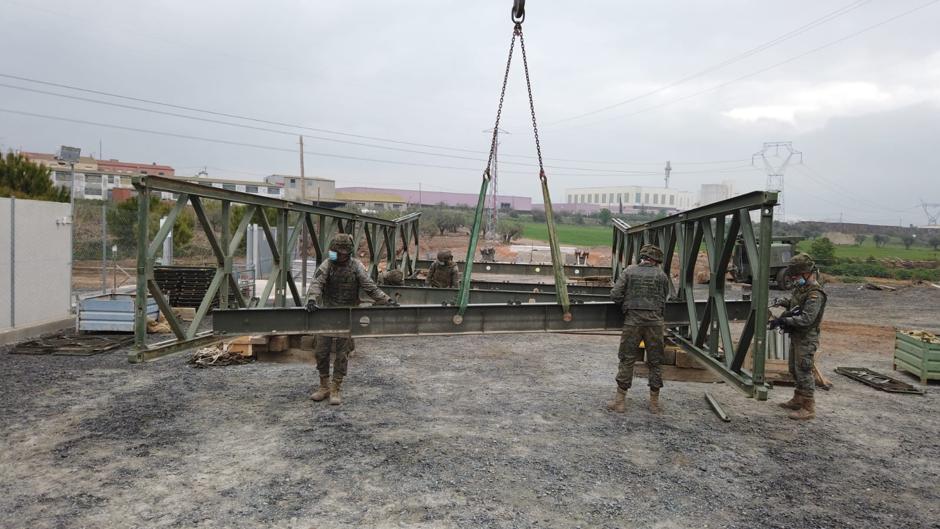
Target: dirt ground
[(495, 431)]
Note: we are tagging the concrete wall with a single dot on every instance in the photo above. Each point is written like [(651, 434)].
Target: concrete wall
[(34, 267)]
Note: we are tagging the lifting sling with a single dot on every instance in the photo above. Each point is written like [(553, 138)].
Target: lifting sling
[(561, 288)]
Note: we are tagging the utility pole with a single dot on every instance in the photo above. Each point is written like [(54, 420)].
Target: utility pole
[(303, 225), (668, 170), (776, 156), (492, 220)]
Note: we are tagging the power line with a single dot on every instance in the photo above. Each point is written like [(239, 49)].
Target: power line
[(277, 149), (741, 56), (766, 69), (289, 125), (291, 134), (819, 178)]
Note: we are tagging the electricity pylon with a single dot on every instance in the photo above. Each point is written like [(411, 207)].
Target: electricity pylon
[(776, 156)]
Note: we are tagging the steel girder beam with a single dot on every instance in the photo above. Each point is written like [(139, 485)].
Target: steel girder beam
[(714, 228), (419, 295), (478, 284), (571, 271), (224, 244), (417, 320)]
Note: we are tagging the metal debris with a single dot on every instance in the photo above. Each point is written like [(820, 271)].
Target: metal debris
[(719, 411), (218, 355), (873, 286), (878, 381), (71, 344)]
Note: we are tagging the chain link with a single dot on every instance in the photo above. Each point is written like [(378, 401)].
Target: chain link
[(528, 84), (487, 174)]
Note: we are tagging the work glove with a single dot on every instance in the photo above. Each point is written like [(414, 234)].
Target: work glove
[(392, 302), (312, 306), (777, 323)]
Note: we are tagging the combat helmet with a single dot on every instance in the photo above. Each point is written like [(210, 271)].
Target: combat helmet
[(342, 242), (651, 252), (444, 256), (801, 263)]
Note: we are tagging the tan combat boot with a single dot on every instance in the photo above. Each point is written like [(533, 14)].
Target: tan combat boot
[(654, 402), (336, 398), (793, 404), (806, 412), (323, 391), (619, 404)]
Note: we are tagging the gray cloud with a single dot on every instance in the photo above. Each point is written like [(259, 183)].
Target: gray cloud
[(864, 112)]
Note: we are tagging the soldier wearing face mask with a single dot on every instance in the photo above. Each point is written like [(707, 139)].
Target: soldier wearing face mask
[(336, 283), (802, 319)]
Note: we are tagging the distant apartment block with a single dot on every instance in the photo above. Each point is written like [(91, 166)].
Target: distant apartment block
[(97, 179)]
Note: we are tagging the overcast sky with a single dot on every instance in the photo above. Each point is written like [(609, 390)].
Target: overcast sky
[(865, 112)]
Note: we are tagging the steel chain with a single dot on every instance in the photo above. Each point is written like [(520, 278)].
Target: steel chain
[(499, 110), (528, 84)]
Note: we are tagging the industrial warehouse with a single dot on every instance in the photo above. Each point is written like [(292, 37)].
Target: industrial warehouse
[(333, 278)]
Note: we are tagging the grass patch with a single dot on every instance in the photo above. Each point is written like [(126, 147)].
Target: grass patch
[(570, 234), (868, 249)]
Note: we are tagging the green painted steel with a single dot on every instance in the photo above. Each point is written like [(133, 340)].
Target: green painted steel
[(561, 289), (224, 246), (422, 295), (549, 288), (144, 268), (716, 227), (463, 298), (916, 356), (416, 320), (572, 272)]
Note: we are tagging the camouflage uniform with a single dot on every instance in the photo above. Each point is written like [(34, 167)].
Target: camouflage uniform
[(804, 334), (337, 285), (443, 272), (642, 290), (392, 278)]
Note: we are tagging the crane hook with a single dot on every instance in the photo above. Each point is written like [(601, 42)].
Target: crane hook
[(518, 11)]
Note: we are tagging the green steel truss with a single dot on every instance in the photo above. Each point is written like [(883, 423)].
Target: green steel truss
[(393, 241), (713, 228)]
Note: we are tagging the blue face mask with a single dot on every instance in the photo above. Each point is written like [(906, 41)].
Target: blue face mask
[(800, 281), (331, 255)]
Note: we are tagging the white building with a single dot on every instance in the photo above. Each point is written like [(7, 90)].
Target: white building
[(710, 193), (316, 188), (255, 188), (632, 197)]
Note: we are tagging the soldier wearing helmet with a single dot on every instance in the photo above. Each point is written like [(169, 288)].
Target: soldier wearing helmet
[(641, 290), (443, 272), (336, 283), (802, 318)]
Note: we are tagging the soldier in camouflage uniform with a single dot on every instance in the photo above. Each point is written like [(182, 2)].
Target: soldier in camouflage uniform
[(336, 283), (641, 290), (804, 314), (443, 272)]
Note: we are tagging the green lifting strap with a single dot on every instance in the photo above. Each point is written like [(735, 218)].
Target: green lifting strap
[(561, 287)]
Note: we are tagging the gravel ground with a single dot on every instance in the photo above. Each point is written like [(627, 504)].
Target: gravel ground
[(496, 431)]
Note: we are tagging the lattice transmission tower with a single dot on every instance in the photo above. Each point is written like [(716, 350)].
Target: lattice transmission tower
[(932, 211), (776, 156), (492, 216)]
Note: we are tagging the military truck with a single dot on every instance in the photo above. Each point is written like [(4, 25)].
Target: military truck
[(781, 250)]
